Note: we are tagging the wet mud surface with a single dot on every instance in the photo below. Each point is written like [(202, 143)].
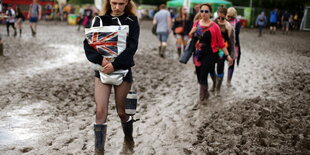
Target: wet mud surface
[(47, 104)]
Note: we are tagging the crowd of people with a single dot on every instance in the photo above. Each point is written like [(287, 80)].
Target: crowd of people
[(287, 21), (217, 41)]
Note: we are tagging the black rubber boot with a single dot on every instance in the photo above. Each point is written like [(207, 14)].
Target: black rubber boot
[(213, 77), (100, 136), (204, 94), (179, 51), (20, 32), (218, 84), (128, 129)]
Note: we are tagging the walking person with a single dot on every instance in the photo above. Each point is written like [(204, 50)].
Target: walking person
[(228, 36), (285, 22), (10, 21), (209, 42), (261, 21), (34, 15), (163, 20), (113, 13), (181, 28), (19, 20), (273, 21), (236, 24)]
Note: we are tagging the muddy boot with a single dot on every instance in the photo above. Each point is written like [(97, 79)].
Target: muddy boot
[(204, 94), (179, 51), (213, 77), (218, 85), (15, 33), (100, 136), (159, 50), (229, 81), (162, 51), (128, 129), (1, 48)]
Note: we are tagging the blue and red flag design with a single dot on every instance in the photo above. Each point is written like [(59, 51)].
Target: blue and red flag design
[(104, 42)]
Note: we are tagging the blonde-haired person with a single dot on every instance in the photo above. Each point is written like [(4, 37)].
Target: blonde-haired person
[(181, 22), (209, 42), (125, 12), (235, 22)]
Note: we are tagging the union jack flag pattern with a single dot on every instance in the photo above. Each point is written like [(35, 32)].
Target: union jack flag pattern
[(104, 42)]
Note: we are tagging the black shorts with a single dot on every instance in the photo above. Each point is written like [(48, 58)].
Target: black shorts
[(127, 78), (273, 24)]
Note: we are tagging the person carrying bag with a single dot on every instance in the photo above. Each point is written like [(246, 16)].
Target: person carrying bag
[(111, 43)]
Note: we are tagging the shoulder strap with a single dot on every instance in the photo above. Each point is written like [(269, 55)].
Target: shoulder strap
[(94, 19), (118, 21)]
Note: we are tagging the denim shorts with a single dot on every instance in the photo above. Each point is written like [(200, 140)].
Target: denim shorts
[(33, 19), (178, 36), (162, 36)]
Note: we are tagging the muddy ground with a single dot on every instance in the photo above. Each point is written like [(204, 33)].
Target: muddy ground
[(47, 104)]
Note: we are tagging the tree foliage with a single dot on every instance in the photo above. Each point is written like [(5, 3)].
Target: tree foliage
[(270, 4)]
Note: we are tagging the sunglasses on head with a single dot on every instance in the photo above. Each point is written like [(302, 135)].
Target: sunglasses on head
[(204, 11)]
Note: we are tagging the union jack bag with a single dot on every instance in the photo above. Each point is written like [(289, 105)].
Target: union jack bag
[(109, 41)]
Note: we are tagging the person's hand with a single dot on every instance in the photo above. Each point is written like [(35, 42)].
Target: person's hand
[(108, 68), (230, 60), (104, 62), (193, 30)]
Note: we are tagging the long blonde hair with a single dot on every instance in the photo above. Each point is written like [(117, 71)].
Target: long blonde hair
[(130, 8)]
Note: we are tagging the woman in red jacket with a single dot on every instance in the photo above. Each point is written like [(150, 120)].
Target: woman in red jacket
[(209, 41)]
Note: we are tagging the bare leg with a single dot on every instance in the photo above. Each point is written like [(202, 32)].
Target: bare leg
[(102, 94)]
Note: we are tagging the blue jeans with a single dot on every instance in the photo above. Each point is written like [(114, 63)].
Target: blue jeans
[(162, 36)]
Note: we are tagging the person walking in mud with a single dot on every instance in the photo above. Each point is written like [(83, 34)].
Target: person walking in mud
[(236, 24), (19, 21), (209, 42), (229, 38), (261, 21), (34, 15), (273, 19), (114, 11), (285, 22), (10, 21), (181, 28), (163, 20)]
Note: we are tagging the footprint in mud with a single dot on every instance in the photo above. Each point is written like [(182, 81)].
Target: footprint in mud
[(26, 149)]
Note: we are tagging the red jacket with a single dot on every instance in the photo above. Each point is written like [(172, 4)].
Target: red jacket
[(216, 40)]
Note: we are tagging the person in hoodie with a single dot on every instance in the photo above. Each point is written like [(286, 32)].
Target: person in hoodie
[(114, 11), (261, 22)]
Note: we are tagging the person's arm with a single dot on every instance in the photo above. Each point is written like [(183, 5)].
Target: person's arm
[(169, 20), (125, 59), (40, 12), (29, 11), (154, 20)]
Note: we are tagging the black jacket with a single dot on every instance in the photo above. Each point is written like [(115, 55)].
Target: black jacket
[(125, 59), (186, 24)]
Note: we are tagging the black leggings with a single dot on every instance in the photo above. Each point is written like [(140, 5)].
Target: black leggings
[(8, 24), (220, 66), (207, 66)]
